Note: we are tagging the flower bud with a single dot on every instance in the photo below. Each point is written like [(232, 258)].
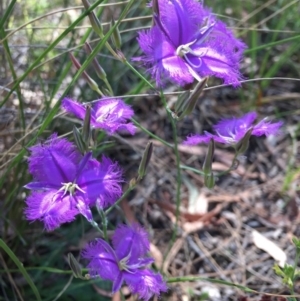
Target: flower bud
[(155, 9), (207, 165), (86, 130), (121, 56), (93, 19), (145, 161), (93, 85), (182, 98), (189, 105), (75, 267), (79, 141), (116, 37), (243, 145), (209, 180), (98, 69)]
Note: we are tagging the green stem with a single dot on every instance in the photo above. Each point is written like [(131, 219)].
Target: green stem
[(293, 274), (138, 74), (108, 86), (96, 226), (151, 134), (192, 169), (130, 187), (222, 282), (104, 223)]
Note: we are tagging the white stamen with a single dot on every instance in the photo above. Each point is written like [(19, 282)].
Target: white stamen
[(70, 187)]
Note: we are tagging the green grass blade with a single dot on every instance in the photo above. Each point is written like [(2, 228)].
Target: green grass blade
[(51, 46), (14, 75), (7, 13), (21, 268), (294, 38), (218, 281)]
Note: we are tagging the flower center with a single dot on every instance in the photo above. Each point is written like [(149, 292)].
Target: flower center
[(123, 264), (185, 49), (70, 188)]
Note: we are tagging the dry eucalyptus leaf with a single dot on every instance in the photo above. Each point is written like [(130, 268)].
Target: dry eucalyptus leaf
[(270, 247)]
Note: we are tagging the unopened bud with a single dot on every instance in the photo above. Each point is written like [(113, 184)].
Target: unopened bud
[(182, 98), (145, 161), (93, 85), (207, 165), (86, 129), (96, 25), (190, 103), (107, 92), (74, 265), (79, 141), (115, 37), (209, 180), (243, 145), (98, 69), (121, 56), (155, 9)]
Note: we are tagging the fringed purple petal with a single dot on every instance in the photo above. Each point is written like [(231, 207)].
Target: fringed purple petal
[(265, 127), (131, 241), (74, 107), (45, 207), (221, 54), (54, 161), (160, 58), (196, 139), (186, 42), (84, 209), (102, 260), (181, 19), (118, 281), (40, 186), (112, 115), (234, 126), (101, 182), (145, 283), (231, 131)]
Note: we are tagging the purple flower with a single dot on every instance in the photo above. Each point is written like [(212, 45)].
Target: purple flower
[(231, 131), (110, 115), (126, 261), (188, 42), (67, 183)]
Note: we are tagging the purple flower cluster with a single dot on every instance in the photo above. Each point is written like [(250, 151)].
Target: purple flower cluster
[(67, 183), (231, 131), (110, 115), (125, 262), (187, 42)]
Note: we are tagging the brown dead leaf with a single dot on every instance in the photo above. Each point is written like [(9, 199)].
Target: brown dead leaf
[(128, 212), (156, 254)]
